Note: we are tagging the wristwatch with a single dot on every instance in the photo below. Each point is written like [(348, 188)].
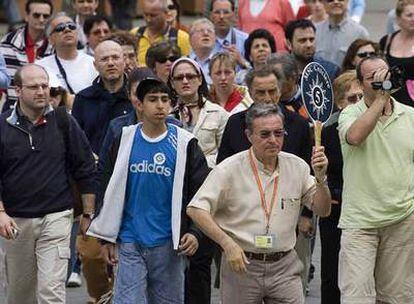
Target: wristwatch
[(89, 214)]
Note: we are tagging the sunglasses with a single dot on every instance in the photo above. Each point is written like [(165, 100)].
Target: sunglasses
[(63, 26), (56, 91), (189, 77), (171, 58), (172, 7), (366, 54), (38, 15), (276, 133), (354, 98)]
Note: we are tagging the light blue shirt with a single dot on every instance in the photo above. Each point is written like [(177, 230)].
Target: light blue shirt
[(356, 9), (234, 36), (147, 214), (4, 77), (204, 64)]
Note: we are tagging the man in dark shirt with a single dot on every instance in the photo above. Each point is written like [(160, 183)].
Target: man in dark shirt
[(264, 86), (93, 108), (35, 195)]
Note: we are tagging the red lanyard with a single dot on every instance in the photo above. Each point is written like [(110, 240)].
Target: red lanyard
[(267, 208)]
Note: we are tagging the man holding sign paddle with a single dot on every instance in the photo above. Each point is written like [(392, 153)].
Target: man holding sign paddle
[(249, 205)]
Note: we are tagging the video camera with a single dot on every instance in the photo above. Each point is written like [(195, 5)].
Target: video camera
[(394, 83)]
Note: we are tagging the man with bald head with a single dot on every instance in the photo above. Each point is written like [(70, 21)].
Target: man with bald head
[(93, 108), (157, 29), (35, 195), (68, 68)]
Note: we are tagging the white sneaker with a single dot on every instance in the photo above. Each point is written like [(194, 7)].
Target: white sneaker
[(74, 280)]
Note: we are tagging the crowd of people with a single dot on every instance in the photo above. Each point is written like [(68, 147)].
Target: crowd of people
[(135, 158)]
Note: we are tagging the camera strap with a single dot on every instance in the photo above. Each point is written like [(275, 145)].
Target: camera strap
[(63, 73)]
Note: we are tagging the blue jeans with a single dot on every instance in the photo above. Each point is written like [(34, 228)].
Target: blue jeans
[(149, 275)]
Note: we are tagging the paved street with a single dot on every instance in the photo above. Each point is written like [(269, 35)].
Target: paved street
[(375, 21)]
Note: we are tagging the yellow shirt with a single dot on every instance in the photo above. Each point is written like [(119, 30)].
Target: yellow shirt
[(183, 42), (230, 194)]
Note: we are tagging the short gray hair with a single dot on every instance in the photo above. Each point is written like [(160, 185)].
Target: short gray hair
[(48, 28), (200, 21), (260, 109), (286, 65), (263, 72)]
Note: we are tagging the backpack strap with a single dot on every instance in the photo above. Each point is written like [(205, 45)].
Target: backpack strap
[(173, 35), (140, 32)]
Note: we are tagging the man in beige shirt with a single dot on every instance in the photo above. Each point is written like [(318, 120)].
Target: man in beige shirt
[(249, 205)]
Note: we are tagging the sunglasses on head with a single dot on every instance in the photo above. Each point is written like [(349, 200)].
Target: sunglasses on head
[(354, 98), (65, 25), (56, 91), (366, 54), (38, 15), (171, 58)]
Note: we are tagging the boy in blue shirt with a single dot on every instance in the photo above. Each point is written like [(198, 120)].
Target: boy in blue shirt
[(153, 171)]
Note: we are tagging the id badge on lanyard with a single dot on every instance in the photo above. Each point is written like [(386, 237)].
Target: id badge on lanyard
[(266, 240)]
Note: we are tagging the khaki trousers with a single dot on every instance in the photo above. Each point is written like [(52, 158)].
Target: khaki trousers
[(37, 261), (265, 282), (94, 267), (377, 265)]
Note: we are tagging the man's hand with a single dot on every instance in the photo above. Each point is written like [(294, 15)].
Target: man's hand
[(85, 222), (305, 226), (6, 225), (319, 162), (188, 244), (380, 76), (235, 257), (232, 49), (109, 254)]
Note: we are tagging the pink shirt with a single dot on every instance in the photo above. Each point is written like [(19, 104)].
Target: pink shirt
[(273, 18)]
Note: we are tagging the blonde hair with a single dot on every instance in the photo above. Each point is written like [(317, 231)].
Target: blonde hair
[(342, 84), (401, 4)]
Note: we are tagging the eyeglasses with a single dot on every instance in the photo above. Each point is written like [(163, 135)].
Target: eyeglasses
[(63, 26), (265, 134), (222, 11), (38, 15), (354, 98), (56, 91), (35, 87), (366, 54), (171, 58), (189, 77), (204, 31)]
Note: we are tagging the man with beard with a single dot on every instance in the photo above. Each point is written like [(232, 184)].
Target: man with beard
[(300, 41)]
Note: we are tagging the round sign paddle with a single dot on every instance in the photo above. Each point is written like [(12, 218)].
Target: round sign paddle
[(317, 95)]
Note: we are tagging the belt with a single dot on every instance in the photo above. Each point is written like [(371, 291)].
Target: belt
[(271, 257)]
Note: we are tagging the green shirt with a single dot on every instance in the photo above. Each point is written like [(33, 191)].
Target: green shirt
[(378, 174)]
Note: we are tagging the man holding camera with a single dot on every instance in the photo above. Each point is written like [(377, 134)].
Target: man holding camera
[(377, 139)]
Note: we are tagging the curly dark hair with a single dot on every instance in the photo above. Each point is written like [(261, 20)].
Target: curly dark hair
[(258, 34)]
